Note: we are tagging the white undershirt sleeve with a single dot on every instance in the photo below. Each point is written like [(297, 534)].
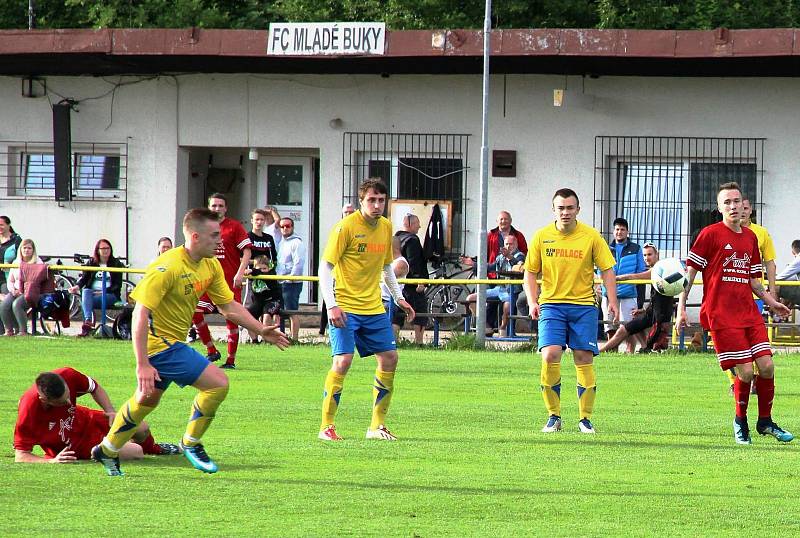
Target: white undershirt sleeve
[(326, 284), (391, 283)]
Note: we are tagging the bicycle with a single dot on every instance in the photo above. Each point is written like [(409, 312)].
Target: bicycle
[(449, 298)]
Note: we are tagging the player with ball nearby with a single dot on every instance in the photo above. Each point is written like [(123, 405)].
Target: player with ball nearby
[(728, 256), (656, 317)]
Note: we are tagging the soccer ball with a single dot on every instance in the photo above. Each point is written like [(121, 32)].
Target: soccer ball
[(669, 277)]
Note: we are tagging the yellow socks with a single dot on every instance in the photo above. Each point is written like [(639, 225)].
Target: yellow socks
[(551, 387), (204, 408), (330, 398), (587, 388), (382, 397), (125, 424)]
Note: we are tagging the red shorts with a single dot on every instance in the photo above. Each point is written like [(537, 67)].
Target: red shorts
[(205, 306), (738, 346), (96, 428)]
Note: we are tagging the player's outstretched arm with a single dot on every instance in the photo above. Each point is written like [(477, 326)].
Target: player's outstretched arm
[(238, 314), (25, 456)]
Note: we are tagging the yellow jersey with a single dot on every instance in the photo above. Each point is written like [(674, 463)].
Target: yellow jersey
[(359, 251), (171, 288), (567, 262), (765, 246)]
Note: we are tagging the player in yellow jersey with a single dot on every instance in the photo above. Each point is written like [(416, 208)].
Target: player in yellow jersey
[(165, 302), (358, 249), (565, 253)]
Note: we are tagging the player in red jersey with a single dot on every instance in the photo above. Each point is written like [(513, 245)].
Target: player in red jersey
[(233, 254), (49, 417), (728, 256)]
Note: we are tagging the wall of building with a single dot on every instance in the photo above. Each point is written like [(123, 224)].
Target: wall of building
[(166, 121)]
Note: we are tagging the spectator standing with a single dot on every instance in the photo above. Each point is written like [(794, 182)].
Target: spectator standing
[(233, 253), (291, 259), (14, 308), (164, 244), (9, 243), (414, 294), (628, 259), (272, 224), (90, 284)]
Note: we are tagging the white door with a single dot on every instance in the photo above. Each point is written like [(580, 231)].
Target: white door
[(285, 182)]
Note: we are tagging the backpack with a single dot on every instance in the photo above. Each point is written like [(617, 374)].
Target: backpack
[(122, 324)]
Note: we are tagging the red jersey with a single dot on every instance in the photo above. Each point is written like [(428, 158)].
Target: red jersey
[(234, 241), (728, 261), (55, 427)]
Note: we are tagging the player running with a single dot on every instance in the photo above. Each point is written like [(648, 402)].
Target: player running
[(729, 258), (165, 300)]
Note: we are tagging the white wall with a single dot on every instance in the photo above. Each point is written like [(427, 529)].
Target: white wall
[(555, 146)]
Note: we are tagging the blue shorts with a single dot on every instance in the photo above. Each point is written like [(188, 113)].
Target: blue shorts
[(568, 325), (369, 333), (178, 363), (291, 295)]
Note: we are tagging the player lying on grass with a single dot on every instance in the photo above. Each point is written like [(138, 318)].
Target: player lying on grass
[(49, 417)]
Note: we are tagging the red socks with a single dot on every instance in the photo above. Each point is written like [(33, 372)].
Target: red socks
[(741, 396), (149, 445), (233, 341), (202, 331), (766, 393)]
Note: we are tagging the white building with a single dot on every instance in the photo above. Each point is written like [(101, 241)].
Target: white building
[(650, 123)]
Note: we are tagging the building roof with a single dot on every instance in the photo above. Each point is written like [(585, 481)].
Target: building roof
[(721, 52)]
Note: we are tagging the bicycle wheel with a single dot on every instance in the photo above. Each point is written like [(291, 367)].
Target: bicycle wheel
[(64, 283), (449, 300)]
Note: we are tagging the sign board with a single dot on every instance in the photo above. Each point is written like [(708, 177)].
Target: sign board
[(324, 38)]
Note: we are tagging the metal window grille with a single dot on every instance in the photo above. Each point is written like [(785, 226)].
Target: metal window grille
[(666, 187), (99, 171), (414, 166)]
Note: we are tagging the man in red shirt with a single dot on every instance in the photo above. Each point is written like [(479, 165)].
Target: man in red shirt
[(233, 253), (49, 417), (728, 256)]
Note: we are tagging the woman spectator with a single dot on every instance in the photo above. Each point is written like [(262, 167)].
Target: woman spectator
[(91, 284), (9, 243), (14, 308)]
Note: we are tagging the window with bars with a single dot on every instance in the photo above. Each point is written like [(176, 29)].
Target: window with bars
[(666, 187), (414, 166), (27, 169)]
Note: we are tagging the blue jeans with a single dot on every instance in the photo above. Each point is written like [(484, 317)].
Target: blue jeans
[(91, 299)]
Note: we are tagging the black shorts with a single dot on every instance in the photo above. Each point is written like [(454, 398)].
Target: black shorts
[(640, 322), (418, 302), (658, 311)]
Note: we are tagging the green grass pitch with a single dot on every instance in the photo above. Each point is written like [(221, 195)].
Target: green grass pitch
[(470, 460)]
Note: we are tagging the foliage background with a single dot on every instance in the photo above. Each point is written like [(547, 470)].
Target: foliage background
[(405, 14)]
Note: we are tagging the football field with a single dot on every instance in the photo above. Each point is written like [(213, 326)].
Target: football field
[(470, 460)]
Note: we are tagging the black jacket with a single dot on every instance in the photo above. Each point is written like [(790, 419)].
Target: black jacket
[(411, 249), (434, 237), (114, 287)]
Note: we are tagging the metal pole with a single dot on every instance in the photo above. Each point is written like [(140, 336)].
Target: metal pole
[(480, 320), (31, 14)]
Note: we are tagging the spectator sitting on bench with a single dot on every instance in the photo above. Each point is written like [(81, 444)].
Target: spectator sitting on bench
[(509, 259), (14, 308), (790, 295), (91, 284)]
